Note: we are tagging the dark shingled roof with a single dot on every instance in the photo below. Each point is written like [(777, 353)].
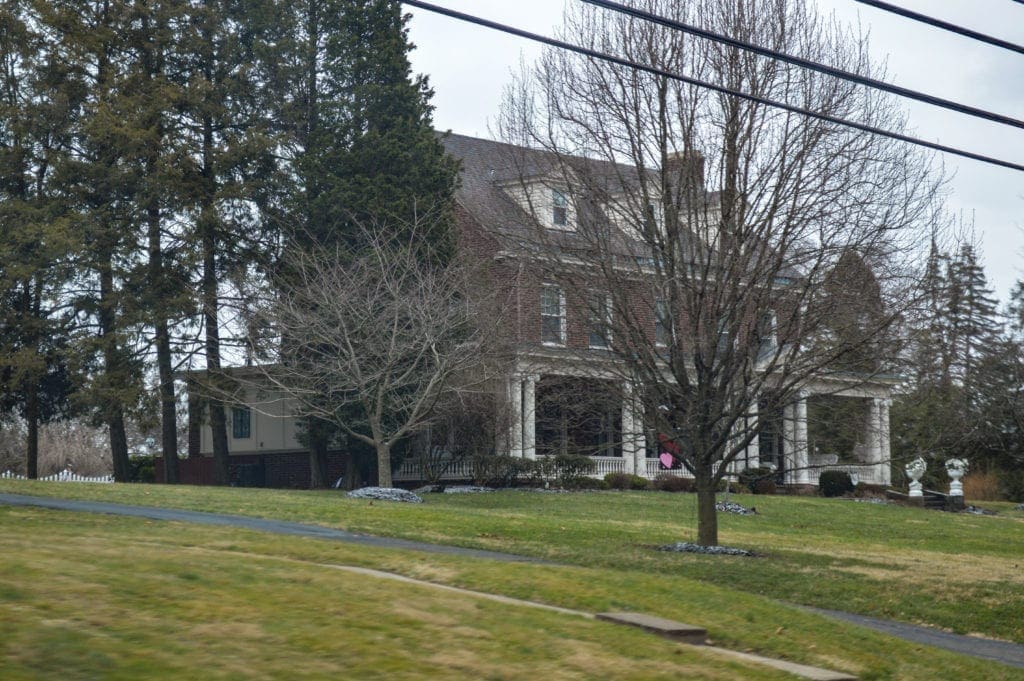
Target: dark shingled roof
[(488, 167)]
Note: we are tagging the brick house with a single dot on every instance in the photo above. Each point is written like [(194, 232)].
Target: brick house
[(559, 391)]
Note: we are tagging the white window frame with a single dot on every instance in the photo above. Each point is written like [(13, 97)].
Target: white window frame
[(560, 316), (661, 320), (592, 320), (769, 342), (560, 200)]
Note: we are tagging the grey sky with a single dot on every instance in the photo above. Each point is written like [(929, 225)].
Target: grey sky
[(468, 67)]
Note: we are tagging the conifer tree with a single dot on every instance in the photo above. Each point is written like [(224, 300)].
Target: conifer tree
[(362, 145), (227, 152), (35, 239)]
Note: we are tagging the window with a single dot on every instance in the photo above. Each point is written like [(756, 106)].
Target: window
[(766, 333), (241, 423), (599, 320), (724, 338), (662, 323), (560, 208), (552, 315)]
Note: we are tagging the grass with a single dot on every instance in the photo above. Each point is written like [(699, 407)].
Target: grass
[(958, 572), (117, 598)]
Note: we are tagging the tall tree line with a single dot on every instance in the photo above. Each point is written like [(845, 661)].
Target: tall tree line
[(153, 152), (965, 372)]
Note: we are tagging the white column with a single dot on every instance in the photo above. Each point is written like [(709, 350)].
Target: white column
[(803, 475), (754, 448), (515, 426), (874, 432), (789, 442), (885, 439), (629, 434), (530, 417)]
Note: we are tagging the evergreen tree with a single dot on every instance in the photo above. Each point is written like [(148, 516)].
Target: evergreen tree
[(971, 312), (362, 145), (228, 153), (89, 43), (34, 238)]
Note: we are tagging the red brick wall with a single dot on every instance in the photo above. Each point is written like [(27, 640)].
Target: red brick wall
[(280, 470)]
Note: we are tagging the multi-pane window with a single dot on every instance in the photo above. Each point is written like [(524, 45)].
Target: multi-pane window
[(241, 423), (559, 208), (599, 321), (661, 323), (766, 333), (552, 315), (724, 338)]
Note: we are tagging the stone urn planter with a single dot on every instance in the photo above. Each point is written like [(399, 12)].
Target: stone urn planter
[(915, 469), (956, 468)]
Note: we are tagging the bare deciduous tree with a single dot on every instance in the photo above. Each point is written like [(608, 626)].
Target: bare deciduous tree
[(716, 299), (375, 337)]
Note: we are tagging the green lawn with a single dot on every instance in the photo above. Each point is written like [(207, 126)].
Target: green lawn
[(958, 572)]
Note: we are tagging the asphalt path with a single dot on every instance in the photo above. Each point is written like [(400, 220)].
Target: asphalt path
[(258, 524), (987, 649)]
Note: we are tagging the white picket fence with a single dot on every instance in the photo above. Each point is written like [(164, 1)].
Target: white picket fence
[(64, 476)]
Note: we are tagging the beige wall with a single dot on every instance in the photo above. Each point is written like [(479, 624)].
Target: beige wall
[(273, 427)]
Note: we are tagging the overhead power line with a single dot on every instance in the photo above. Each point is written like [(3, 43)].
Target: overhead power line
[(945, 25), (810, 65), (536, 37)]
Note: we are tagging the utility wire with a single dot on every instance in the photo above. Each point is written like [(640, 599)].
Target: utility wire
[(945, 25), (811, 65), (504, 28)]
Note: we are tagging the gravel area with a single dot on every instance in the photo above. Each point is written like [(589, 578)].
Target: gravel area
[(687, 547), (733, 507), (386, 494), (453, 489)]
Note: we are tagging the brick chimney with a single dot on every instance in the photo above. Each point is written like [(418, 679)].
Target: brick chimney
[(686, 169)]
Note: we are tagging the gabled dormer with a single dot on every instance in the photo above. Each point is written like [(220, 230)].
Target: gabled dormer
[(549, 200)]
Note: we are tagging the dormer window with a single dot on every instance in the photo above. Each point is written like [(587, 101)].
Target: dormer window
[(559, 208)]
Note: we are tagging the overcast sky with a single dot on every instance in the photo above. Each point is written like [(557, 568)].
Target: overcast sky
[(468, 66)]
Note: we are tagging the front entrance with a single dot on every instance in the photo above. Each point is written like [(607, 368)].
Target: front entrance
[(578, 416), (772, 441)]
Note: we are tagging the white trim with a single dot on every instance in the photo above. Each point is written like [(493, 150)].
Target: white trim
[(563, 322)]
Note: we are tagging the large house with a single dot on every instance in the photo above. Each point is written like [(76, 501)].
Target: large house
[(562, 357)]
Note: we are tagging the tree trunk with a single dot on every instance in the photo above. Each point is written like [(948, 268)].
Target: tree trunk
[(32, 444), (384, 465), (119, 445), (164, 359), (707, 515), (113, 367), (211, 299), (318, 437)]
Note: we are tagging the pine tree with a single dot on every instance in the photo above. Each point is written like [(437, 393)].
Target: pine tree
[(227, 154), (34, 238), (363, 146)]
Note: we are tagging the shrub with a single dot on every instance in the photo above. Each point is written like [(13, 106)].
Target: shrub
[(505, 471), (673, 483), (617, 480), (758, 479), (1012, 485), (626, 481), (568, 469), (637, 482), (141, 469), (982, 486), (835, 483), (589, 483)]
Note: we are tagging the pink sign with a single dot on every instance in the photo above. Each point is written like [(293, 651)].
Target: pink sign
[(667, 459)]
